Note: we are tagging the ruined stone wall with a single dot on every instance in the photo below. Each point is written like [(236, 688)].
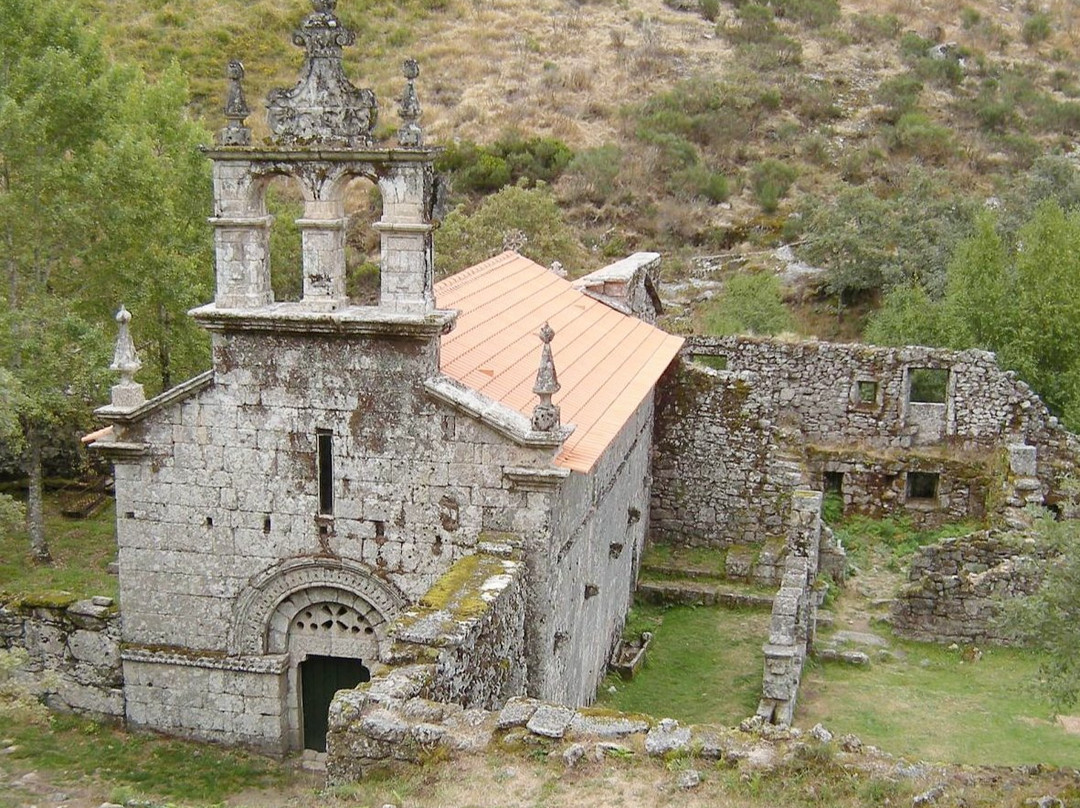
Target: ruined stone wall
[(738, 417), (956, 588), (719, 475), (231, 485), (471, 624), (74, 653), (814, 389), (599, 527)]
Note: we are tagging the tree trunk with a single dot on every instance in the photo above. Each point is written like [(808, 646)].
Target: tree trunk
[(35, 517), (164, 355)]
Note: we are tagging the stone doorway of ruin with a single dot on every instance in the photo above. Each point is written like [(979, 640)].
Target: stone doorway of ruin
[(320, 678)]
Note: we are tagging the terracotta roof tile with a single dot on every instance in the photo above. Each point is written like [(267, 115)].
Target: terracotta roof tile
[(607, 361)]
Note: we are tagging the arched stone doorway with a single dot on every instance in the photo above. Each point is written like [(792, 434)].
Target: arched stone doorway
[(330, 619)]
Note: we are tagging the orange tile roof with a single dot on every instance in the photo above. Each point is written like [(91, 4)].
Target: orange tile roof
[(607, 362)]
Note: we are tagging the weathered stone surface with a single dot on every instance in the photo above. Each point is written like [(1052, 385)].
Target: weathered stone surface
[(572, 754), (691, 778), (517, 712), (666, 737), (550, 720), (820, 734), (606, 726)]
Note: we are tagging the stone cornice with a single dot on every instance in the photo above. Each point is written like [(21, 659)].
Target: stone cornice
[(189, 658), (275, 154), (506, 421), (124, 416), (297, 318)]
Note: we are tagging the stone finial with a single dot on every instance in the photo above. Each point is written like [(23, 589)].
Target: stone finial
[(324, 108), (128, 393), (236, 132), (545, 417), (410, 135)]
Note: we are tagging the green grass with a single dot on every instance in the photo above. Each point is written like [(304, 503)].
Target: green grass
[(76, 749), (933, 706), (81, 550), (702, 558), (704, 665)]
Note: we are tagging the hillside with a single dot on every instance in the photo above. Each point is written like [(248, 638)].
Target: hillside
[(710, 140)]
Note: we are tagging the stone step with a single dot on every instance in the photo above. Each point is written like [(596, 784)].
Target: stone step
[(682, 571), (691, 593)]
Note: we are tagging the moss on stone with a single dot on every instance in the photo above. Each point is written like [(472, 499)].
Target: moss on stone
[(46, 599)]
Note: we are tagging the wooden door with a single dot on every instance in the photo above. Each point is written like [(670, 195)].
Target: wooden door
[(320, 678)]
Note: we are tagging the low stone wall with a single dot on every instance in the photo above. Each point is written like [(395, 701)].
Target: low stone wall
[(463, 644), (74, 652), (956, 588), (794, 613)]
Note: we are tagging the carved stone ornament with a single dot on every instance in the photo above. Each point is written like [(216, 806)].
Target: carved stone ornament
[(324, 108), (410, 135), (546, 416), (235, 133), (128, 393)]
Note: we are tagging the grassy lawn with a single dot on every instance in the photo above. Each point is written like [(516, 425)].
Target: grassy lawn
[(932, 705), (704, 665), (81, 550), (80, 751)]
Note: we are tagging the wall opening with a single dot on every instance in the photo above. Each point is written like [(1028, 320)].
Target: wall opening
[(922, 485), (326, 471), (867, 392), (285, 202), (363, 207), (711, 361), (928, 385), (320, 678), (833, 482)]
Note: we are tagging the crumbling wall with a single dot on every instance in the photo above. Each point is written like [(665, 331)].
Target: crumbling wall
[(456, 655), (737, 411), (956, 588), (794, 613), (720, 477), (74, 652), (470, 626)]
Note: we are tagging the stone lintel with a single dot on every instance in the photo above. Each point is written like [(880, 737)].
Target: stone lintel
[(540, 479), (402, 227), (322, 224), (301, 318), (505, 420), (118, 415), (258, 154), (193, 658)]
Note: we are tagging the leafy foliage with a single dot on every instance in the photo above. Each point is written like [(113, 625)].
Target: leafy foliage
[(511, 160), (1050, 619), (468, 238), (771, 180), (750, 304)]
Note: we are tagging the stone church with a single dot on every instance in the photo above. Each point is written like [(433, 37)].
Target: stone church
[(277, 513)]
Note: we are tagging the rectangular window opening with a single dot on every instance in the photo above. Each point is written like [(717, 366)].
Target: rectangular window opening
[(713, 361), (834, 482), (922, 485), (868, 392), (326, 471), (928, 385)]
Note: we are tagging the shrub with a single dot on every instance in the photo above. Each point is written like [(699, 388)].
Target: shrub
[(900, 94), (969, 17), (749, 304), (814, 13), (916, 133), (874, 27), (592, 173), (480, 169), (770, 181), (756, 24), (699, 181), (710, 9), (1036, 28)]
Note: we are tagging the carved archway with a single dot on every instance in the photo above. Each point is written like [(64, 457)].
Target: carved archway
[(267, 609)]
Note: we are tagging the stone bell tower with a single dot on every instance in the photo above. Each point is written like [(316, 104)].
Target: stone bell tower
[(321, 135)]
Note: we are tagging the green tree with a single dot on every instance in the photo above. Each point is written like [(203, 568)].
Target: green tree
[(751, 303), (465, 239), (102, 196), (1050, 619), (907, 317)]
